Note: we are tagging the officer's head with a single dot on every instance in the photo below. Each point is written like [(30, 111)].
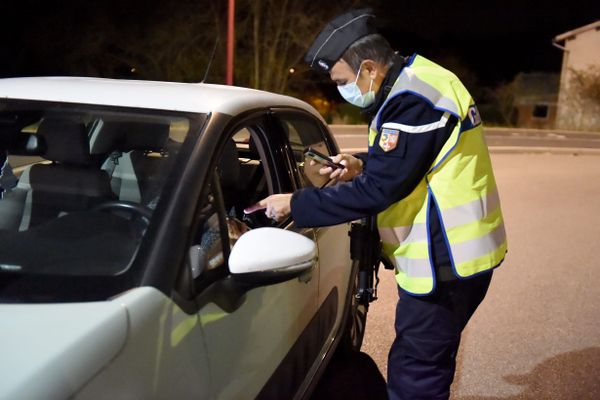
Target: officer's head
[(354, 55)]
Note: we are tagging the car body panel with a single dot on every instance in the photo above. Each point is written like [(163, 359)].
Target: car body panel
[(336, 267), (261, 331), (198, 98), (150, 341), (164, 357), (50, 350)]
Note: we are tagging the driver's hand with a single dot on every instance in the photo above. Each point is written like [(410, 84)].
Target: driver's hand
[(353, 167)]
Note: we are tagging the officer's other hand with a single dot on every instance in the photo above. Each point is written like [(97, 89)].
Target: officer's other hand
[(353, 167), (277, 206)]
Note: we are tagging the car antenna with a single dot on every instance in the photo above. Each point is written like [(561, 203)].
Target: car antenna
[(210, 61)]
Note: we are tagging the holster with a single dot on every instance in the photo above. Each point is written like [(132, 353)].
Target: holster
[(365, 248)]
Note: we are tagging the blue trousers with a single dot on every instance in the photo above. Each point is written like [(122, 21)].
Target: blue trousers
[(422, 359)]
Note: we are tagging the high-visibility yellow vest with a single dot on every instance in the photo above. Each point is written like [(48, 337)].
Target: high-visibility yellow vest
[(460, 181)]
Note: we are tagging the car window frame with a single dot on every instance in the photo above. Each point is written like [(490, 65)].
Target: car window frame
[(272, 150), (279, 114)]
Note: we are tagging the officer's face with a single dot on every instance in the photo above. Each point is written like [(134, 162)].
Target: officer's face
[(341, 73)]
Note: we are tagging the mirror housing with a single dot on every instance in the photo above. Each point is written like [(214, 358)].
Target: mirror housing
[(266, 256)]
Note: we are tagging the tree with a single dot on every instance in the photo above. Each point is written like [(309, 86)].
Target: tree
[(274, 35), (580, 101), (586, 83), (499, 107), (171, 42), (174, 41)]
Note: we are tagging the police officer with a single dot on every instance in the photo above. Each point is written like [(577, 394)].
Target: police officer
[(428, 177)]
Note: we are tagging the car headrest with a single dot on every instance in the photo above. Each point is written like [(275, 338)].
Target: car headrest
[(145, 136), (129, 135), (229, 166), (66, 141)]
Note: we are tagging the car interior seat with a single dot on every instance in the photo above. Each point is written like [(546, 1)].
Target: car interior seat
[(253, 183), (252, 186), (70, 182), (140, 157), (228, 169)]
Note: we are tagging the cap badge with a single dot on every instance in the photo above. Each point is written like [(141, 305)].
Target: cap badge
[(323, 64)]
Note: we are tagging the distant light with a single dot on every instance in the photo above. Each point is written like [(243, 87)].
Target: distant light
[(292, 70), (133, 69)]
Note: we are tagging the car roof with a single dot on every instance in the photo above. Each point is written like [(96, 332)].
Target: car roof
[(172, 96)]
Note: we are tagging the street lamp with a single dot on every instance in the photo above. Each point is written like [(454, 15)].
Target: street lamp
[(230, 41)]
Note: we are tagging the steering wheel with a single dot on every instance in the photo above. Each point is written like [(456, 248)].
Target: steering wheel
[(134, 209)]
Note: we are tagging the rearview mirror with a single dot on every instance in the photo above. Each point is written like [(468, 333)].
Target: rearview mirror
[(23, 144), (266, 256)]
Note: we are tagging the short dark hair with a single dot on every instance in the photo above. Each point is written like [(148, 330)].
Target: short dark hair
[(372, 47)]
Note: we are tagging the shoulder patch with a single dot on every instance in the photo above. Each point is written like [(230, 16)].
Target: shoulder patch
[(474, 115), (388, 139)]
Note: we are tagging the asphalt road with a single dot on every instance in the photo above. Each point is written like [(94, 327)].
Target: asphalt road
[(353, 139), (537, 333)]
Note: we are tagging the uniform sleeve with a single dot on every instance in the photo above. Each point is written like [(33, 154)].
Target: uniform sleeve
[(414, 133)]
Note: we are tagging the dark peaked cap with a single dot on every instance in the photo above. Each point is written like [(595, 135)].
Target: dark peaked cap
[(337, 36)]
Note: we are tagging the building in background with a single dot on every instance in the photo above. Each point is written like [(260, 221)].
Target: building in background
[(535, 100), (579, 96)]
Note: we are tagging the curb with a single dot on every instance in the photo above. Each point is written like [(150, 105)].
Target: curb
[(488, 130), (575, 151)]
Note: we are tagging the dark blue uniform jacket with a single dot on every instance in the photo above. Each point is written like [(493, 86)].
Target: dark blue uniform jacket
[(387, 176)]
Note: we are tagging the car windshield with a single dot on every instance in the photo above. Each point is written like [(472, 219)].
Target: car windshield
[(79, 185)]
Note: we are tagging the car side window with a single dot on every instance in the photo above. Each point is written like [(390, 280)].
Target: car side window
[(209, 249), (253, 181), (215, 235), (302, 133), (219, 226), (239, 180)]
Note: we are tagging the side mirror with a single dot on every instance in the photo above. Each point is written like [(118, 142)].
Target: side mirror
[(265, 256)]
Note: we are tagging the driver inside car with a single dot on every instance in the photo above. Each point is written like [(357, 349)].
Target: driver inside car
[(7, 179)]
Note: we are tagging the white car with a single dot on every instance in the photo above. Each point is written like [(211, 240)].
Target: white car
[(128, 268)]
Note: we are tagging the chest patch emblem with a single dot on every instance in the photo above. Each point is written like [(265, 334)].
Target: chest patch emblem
[(388, 139)]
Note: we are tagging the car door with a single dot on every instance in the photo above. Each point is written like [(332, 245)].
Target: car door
[(256, 340), (303, 130)]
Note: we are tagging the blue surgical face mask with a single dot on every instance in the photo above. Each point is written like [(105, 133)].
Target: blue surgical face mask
[(352, 94)]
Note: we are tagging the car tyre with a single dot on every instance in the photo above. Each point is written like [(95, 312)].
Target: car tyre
[(356, 321)]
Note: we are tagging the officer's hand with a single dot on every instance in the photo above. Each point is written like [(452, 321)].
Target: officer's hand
[(353, 167), (277, 206)]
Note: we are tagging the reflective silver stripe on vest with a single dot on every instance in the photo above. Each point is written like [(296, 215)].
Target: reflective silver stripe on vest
[(479, 247), (418, 129), (408, 81), (414, 267), (471, 212), (456, 216), (404, 234)]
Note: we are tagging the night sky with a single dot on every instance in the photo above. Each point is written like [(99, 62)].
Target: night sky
[(490, 41), (494, 39)]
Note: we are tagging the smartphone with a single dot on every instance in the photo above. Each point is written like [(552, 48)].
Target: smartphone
[(322, 158)]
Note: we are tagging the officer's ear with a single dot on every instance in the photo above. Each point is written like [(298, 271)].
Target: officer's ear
[(370, 68)]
